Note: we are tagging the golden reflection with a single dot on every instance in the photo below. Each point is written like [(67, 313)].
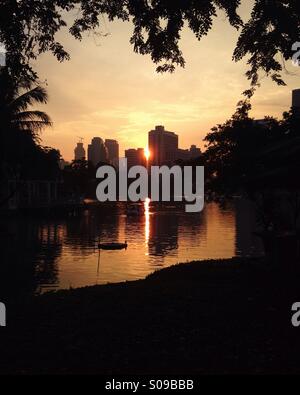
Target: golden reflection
[(147, 219)]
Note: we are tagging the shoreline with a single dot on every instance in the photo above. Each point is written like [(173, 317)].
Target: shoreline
[(217, 316)]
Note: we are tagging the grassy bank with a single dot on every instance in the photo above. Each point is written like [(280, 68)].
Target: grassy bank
[(231, 316)]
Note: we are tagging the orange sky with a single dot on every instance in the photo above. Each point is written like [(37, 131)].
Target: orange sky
[(107, 90)]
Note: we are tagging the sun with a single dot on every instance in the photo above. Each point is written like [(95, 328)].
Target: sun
[(147, 153)]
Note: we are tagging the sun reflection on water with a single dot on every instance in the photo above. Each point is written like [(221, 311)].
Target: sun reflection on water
[(147, 220)]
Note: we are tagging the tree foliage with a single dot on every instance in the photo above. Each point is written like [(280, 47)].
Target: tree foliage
[(20, 125), (29, 27), (79, 178), (249, 155)]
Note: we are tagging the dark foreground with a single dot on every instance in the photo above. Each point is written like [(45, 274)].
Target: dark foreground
[(226, 317)]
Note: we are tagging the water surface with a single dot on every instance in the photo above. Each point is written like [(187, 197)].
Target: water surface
[(45, 254)]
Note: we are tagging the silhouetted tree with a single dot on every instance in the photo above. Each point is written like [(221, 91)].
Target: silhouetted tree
[(232, 148), (16, 96), (28, 28), (78, 177), (21, 155), (261, 159), (19, 125)]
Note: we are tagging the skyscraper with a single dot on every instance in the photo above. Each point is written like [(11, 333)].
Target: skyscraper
[(113, 151), (79, 152), (155, 144), (97, 151), (135, 157), (170, 147), (163, 146)]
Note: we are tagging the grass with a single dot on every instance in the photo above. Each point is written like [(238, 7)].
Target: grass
[(227, 316)]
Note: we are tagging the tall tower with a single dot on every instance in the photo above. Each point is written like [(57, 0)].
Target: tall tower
[(163, 146), (97, 151), (155, 144), (79, 151), (112, 151), (135, 157)]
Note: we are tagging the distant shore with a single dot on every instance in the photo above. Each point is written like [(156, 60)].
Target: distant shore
[(226, 316)]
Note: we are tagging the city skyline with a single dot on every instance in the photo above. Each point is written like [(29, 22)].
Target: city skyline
[(162, 148), (154, 152)]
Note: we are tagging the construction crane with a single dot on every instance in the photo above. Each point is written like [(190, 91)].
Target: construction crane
[(80, 139)]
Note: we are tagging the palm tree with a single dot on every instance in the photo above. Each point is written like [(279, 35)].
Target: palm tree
[(15, 99), (20, 126)]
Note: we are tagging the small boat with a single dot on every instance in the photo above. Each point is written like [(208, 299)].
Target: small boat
[(112, 246)]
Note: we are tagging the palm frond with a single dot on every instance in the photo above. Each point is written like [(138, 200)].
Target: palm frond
[(33, 116), (35, 126), (36, 95), (15, 112)]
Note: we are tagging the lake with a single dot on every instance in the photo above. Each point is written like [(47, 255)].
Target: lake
[(39, 255)]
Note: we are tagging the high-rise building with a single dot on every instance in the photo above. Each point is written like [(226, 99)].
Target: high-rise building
[(155, 144), (188, 154), (97, 152), (170, 146), (163, 146), (113, 151), (135, 157), (79, 152), (183, 154)]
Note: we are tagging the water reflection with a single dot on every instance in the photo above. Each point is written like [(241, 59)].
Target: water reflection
[(147, 220), (29, 256), (39, 255)]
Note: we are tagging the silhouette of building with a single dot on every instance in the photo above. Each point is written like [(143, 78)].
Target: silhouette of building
[(135, 157), (183, 154), (188, 154), (112, 151), (79, 152), (164, 150), (195, 152), (170, 148), (163, 146), (155, 144), (97, 152)]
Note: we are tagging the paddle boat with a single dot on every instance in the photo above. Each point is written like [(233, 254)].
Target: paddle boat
[(112, 246)]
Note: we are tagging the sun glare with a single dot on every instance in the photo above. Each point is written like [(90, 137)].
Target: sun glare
[(147, 153)]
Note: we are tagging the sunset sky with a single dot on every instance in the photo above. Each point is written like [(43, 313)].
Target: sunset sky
[(107, 90)]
